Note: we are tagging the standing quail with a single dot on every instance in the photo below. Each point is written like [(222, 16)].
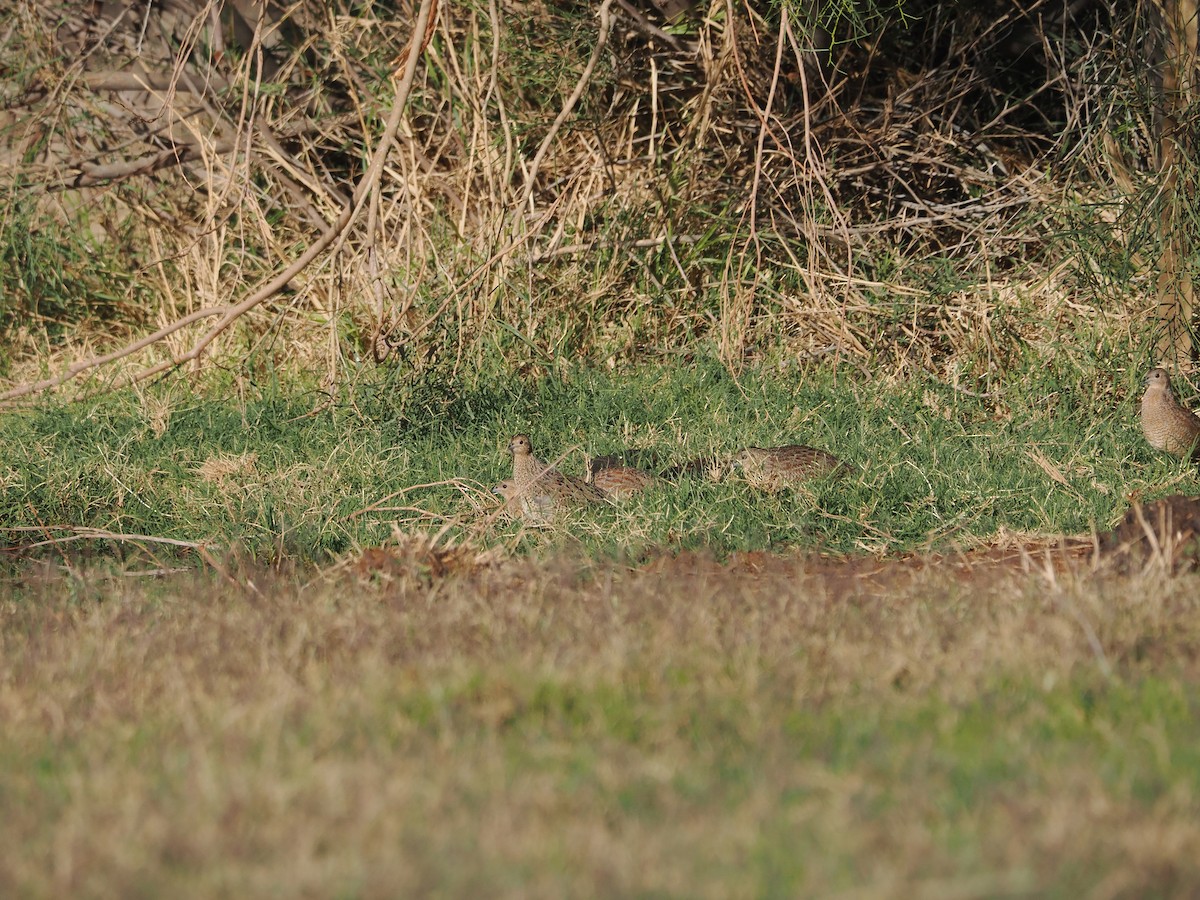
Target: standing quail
[(530, 474), (773, 468), (1168, 425)]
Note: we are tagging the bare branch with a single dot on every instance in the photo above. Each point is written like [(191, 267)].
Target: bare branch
[(580, 86), (230, 314)]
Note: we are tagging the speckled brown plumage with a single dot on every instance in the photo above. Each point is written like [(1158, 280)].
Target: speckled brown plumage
[(621, 481), (1166, 424), (531, 475), (530, 505), (773, 468)]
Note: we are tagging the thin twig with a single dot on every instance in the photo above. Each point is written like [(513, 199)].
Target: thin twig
[(580, 86), (230, 314)]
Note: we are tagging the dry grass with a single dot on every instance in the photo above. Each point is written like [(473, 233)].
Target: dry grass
[(723, 186), (527, 729)]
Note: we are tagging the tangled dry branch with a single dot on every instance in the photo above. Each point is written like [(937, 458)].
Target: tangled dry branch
[(691, 170), (227, 315)]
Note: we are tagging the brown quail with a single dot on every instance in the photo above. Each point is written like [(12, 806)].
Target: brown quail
[(531, 475), (774, 468), (507, 491), (621, 481), (1168, 425), (531, 505)]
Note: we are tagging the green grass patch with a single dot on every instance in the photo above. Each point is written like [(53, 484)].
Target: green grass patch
[(279, 472)]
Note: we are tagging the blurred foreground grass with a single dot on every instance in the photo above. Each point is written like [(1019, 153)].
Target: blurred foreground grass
[(513, 729), (481, 710)]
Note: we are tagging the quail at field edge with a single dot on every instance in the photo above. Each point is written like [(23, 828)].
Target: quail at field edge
[(528, 471), (621, 481), (534, 507), (1166, 424)]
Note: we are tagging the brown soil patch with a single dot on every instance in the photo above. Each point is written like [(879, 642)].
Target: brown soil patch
[(1166, 531), (843, 576)]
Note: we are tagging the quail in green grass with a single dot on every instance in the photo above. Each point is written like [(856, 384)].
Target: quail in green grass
[(530, 505), (710, 468), (531, 475), (617, 481), (1166, 423), (774, 468)]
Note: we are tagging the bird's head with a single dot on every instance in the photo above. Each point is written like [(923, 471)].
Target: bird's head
[(1158, 380)]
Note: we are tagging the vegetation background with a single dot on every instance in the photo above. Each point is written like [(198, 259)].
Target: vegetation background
[(983, 211), (279, 282), (922, 188)]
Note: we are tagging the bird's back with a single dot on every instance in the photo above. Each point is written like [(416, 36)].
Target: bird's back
[(790, 463), (621, 481)]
